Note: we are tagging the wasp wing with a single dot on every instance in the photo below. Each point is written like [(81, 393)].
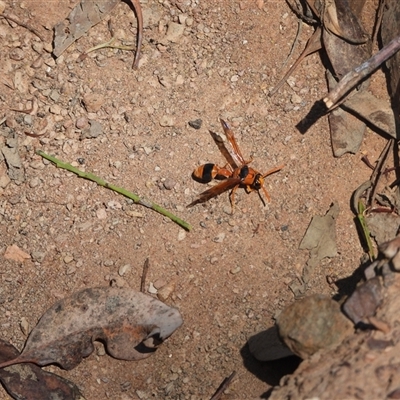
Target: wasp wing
[(231, 138), (216, 190), (233, 161)]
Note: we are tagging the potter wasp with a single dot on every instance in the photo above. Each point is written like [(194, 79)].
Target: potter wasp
[(236, 173)]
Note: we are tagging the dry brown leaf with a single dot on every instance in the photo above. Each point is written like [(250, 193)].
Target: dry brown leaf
[(130, 323), (29, 381)]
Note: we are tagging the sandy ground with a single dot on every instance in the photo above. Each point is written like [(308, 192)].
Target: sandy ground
[(231, 272)]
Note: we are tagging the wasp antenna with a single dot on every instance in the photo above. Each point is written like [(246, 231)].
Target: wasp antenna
[(273, 170)]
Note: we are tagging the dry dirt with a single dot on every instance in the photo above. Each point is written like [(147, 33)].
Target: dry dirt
[(232, 272)]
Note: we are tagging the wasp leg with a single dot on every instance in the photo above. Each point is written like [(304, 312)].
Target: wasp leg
[(232, 197), (266, 195)]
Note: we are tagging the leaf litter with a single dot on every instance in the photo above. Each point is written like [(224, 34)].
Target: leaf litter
[(84, 16), (130, 324), (28, 381)]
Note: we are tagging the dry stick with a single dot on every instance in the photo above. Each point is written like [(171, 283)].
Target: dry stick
[(138, 11), (26, 26), (294, 44), (354, 77), (378, 170), (124, 192), (226, 382), (378, 21), (313, 45), (144, 275)]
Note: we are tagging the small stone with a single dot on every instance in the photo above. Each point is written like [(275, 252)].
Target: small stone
[(165, 291), (92, 132), (55, 109), (38, 256), (70, 270), (219, 238), (313, 323), (124, 269), (169, 184), (2, 7), (296, 99), (174, 32), (181, 235), (4, 180), (82, 123), (134, 214), (38, 47), (37, 164), (101, 213), (159, 283), (14, 253), (182, 18), (54, 95), (100, 350), (167, 121), (196, 124), (114, 205), (180, 80), (234, 78), (152, 289), (28, 120), (235, 270), (24, 325), (93, 102), (17, 54), (68, 258), (34, 182)]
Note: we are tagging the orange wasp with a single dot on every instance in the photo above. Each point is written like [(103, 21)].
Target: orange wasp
[(235, 174)]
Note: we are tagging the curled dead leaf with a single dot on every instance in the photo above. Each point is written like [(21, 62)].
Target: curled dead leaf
[(131, 324)]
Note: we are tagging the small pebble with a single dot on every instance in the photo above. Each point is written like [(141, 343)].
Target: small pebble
[(174, 32), (152, 289), (181, 235), (124, 269), (166, 291), (55, 109), (34, 182), (70, 270), (68, 258), (93, 102), (167, 121), (296, 99), (169, 184), (219, 238), (82, 123), (196, 124), (24, 325), (235, 270), (101, 213)]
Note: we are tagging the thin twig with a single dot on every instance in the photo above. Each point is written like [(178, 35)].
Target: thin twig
[(295, 42), (144, 275), (378, 170), (26, 26), (355, 76), (124, 192), (314, 44), (225, 383), (139, 16)]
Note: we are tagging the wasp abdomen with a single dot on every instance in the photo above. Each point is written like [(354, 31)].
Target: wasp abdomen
[(205, 173)]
